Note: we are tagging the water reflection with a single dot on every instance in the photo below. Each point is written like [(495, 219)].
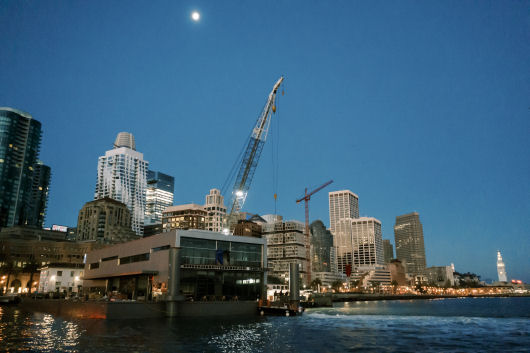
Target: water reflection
[(370, 326), (37, 332)]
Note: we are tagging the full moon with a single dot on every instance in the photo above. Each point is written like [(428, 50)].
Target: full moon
[(195, 16)]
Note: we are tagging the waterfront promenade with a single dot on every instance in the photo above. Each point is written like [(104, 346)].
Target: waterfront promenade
[(351, 297)]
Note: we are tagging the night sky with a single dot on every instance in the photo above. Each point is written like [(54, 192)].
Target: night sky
[(413, 105)]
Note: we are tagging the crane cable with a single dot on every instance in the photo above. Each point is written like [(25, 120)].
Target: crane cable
[(275, 153)]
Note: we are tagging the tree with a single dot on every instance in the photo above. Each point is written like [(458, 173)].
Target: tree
[(336, 285), (32, 268), (316, 283), (394, 284)]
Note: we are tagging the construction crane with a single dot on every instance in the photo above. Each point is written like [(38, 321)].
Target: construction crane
[(251, 155), (306, 199)]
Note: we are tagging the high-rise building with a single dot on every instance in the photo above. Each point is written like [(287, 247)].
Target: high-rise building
[(122, 176), (158, 196), (20, 137), (321, 247), (359, 243), (342, 204), (388, 250), (105, 221), (501, 270), (214, 205), (410, 248), (189, 216), (39, 194)]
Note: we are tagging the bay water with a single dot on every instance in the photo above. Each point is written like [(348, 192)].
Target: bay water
[(444, 325)]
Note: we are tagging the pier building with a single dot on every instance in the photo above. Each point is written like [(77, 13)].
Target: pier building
[(211, 266)]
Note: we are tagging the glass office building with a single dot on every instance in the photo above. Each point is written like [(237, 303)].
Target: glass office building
[(20, 137), (159, 196)]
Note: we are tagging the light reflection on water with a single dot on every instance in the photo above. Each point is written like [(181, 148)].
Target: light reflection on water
[(364, 326)]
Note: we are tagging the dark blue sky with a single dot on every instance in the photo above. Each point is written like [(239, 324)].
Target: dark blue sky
[(413, 105)]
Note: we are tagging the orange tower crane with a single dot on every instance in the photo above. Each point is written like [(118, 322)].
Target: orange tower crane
[(306, 199)]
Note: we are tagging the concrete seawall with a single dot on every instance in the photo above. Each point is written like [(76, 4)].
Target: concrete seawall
[(135, 310)]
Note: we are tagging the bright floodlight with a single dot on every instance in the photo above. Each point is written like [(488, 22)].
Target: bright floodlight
[(195, 16), (239, 193)]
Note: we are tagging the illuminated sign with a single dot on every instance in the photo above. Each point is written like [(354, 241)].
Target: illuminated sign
[(58, 228)]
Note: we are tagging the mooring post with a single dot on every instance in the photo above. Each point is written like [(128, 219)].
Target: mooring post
[(294, 285)]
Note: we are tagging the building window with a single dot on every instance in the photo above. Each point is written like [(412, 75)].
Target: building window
[(134, 258)]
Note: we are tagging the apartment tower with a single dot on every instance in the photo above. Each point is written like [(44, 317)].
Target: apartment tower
[(215, 221), (122, 176)]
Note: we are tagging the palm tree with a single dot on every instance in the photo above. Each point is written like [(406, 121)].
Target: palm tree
[(316, 283), (336, 285)]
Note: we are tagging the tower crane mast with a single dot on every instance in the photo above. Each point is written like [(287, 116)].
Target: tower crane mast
[(252, 153), (306, 198)]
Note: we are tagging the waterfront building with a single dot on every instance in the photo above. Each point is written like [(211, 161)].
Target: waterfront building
[(321, 247), (158, 196), (188, 216), (440, 276), (327, 278), (370, 277), (501, 270), (25, 249), (20, 137), (105, 221), (388, 251), (122, 176), (214, 205), (359, 243), (213, 266), (286, 244), (61, 278), (410, 248), (342, 204)]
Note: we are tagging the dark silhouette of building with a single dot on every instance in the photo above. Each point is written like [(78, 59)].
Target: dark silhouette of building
[(105, 221), (321, 245), (388, 251), (20, 137)]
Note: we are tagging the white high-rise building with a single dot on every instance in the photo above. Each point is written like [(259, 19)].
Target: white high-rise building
[(501, 270), (215, 221), (122, 176), (359, 243), (342, 204)]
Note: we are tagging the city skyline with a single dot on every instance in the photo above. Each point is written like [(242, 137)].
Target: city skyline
[(440, 129)]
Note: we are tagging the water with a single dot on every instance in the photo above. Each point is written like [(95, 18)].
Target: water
[(449, 325)]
